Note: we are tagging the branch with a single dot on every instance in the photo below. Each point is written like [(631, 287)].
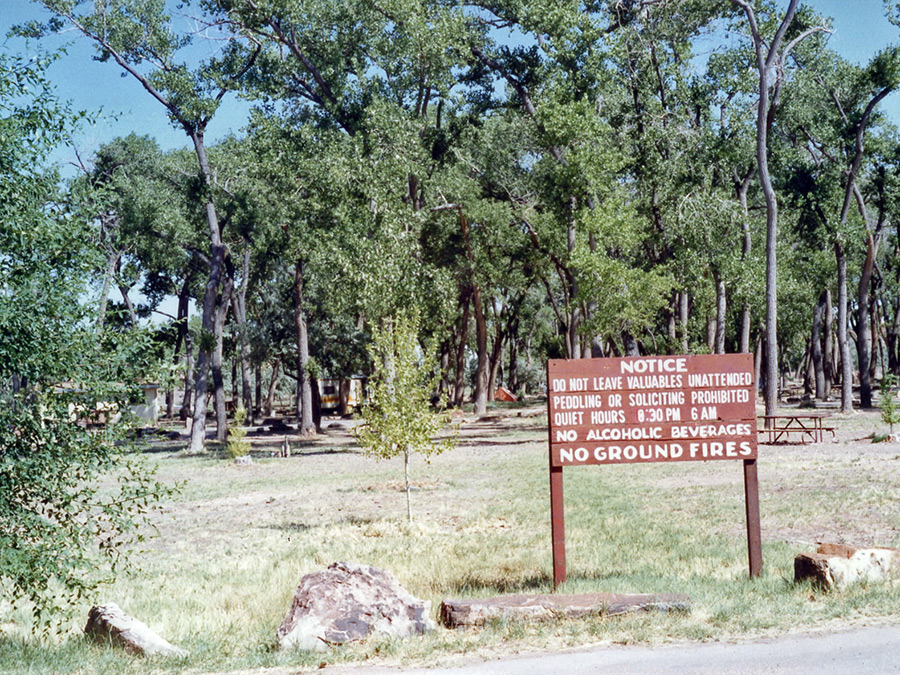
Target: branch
[(521, 91), (145, 83)]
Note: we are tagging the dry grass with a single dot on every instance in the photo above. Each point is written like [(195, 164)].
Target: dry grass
[(232, 548)]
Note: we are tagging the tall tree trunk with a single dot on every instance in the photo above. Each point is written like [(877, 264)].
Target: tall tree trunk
[(444, 386), (671, 325), (112, 264), (742, 185), (186, 402), (181, 326), (195, 129), (481, 371), (235, 380), (512, 374), (344, 385), (850, 192), (829, 344), (495, 360), (818, 360), (809, 370), (758, 357), (304, 397), (683, 320), (239, 308), (316, 402), (273, 388), (208, 337), (459, 389), (863, 337), (720, 312), (132, 314), (218, 379), (768, 54), (843, 339), (257, 404)]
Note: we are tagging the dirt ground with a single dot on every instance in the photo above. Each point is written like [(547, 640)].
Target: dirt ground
[(845, 489)]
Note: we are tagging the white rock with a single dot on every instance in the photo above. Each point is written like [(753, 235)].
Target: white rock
[(109, 624)]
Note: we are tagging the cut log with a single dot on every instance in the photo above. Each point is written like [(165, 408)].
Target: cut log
[(467, 613), (839, 550), (836, 566), (107, 624)]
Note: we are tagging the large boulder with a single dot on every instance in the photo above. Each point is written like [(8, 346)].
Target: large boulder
[(107, 624), (835, 566), (348, 602)]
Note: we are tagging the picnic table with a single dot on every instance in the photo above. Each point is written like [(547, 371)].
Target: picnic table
[(797, 429)]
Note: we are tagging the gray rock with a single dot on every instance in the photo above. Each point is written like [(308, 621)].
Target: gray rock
[(109, 624), (349, 602)]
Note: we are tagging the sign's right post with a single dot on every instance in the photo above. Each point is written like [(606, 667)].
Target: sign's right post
[(751, 499)]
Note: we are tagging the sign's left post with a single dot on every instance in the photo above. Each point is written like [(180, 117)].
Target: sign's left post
[(557, 507)]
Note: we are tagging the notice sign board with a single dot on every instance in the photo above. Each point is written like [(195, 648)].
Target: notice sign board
[(652, 409)]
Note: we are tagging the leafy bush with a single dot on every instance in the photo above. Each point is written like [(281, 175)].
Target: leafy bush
[(64, 525), (237, 446)]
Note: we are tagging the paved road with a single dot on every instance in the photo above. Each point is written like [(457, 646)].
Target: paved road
[(869, 651)]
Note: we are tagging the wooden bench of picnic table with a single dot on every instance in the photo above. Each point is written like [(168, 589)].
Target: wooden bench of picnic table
[(793, 429)]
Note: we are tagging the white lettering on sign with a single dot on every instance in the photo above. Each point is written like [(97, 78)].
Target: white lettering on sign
[(607, 417), (566, 435), (660, 365), (713, 380), (564, 419), (720, 396), (710, 430), (655, 398), (578, 384), (718, 449), (654, 381), (578, 401), (604, 383)]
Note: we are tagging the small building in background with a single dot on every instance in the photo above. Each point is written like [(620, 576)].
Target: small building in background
[(341, 395), (148, 410)]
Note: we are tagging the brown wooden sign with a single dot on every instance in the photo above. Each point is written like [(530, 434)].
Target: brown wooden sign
[(652, 409)]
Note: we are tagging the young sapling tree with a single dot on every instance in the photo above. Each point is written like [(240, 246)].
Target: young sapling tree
[(890, 411), (398, 416), (238, 446)]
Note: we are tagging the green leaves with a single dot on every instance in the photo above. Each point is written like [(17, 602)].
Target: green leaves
[(60, 534), (398, 415)]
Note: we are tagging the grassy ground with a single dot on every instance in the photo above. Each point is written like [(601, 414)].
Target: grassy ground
[(232, 547)]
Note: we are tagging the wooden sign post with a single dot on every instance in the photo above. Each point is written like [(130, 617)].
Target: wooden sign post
[(651, 409)]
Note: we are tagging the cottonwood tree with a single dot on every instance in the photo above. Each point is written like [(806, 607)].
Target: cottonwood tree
[(771, 56), (830, 118), (142, 39), (143, 199)]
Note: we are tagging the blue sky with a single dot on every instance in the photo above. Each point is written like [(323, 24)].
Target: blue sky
[(120, 105)]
